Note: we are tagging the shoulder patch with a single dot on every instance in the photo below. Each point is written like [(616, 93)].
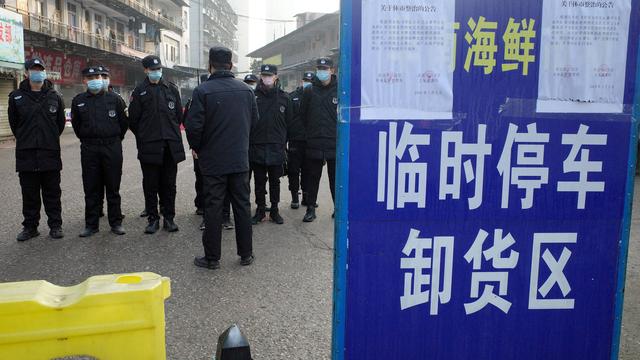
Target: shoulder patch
[(18, 97), (143, 93), (81, 105)]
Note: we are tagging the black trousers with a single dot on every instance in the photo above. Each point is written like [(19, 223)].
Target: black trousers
[(238, 190), (296, 157), (32, 184), (160, 181), (144, 189), (313, 169), (101, 174), (260, 173), (199, 200)]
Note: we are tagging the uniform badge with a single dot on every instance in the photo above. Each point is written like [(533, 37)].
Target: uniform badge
[(112, 113), (81, 105), (53, 109), (282, 109), (143, 93), (18, 97), (296, 99), (335, 101), (172, 105)]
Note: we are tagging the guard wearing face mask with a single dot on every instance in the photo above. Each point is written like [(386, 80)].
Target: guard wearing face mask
[(296, 144), (100, 121), (320, 116), (155, 114), (251, 80), (36, 117), (268, 142)]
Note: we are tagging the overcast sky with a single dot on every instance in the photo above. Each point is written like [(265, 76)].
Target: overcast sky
[(255, 32)]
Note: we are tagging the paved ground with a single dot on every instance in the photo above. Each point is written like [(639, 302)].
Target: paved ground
[(283, 303)]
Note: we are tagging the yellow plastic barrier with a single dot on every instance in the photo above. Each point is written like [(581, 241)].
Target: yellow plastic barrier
[(108, 317)]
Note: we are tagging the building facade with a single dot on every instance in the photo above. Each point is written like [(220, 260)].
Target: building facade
[(211, 23), (69, 35), (316, 36)]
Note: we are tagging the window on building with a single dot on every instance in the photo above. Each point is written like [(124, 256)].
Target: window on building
[(72, 15), (186, 54), (98, 22), (58, 5), (120, 31), (87, 20), (41, 9), (185, 20)]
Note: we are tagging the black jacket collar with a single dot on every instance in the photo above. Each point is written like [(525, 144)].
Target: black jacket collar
[(221, 74)]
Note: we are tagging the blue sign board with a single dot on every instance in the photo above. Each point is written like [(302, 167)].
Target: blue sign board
[(484, 198)]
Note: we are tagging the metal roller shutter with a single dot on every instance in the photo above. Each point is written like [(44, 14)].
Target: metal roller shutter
[(6, 87)]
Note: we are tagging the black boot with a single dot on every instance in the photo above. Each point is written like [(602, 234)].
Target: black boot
[(259, 216), (310, 215), (118, 230), (153, 226), (88, 231), (56, 233), (169, 225), (274, 214), (27, 233), (295, 200)]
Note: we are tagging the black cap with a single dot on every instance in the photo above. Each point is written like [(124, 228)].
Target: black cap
[(152, 62), (308, 76), (250, 78), (220, 55), (103, 70), (29, 64), (91, 70), (268, 69), (324, 62)]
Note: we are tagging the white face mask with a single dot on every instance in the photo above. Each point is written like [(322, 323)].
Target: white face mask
[(269, 80)]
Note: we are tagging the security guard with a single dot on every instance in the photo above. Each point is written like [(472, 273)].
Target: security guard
[(268, 142), (222, 116), (251, 80), (320, 115), (155, 113), (297, 144), (100, 122), (36, 117)]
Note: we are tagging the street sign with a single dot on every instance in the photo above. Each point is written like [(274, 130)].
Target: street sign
[(486, 163)]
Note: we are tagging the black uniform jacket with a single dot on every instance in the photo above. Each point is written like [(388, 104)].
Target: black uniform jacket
[(155, 116), (37, 120)]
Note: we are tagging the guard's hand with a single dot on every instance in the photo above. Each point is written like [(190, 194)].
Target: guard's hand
[(194, 154)]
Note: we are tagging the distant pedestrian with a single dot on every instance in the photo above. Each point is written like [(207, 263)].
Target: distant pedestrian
[(222, 115), (36, 118)]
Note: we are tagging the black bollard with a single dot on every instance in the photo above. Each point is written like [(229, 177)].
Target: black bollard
[(233, 345)]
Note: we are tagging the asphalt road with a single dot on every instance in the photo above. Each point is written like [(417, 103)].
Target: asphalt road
[(282, 302)]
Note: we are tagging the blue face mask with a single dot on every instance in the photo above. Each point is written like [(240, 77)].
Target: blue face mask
[(95, 85), (155, 75), (105, 84), (37, 76), (306, 84), (323, 75)]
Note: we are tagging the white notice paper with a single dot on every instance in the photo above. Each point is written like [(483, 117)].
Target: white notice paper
[(583, 56), (407, 59)]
